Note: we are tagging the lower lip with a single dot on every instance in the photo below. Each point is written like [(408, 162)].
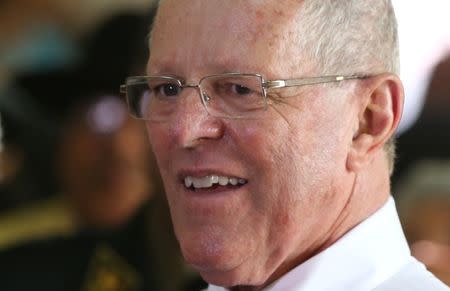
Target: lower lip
[(213, 191)]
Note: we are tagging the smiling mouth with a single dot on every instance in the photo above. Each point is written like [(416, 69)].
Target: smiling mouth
[(212, 182)]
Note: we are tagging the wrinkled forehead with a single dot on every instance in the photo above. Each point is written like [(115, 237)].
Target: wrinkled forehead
[(254, 12), (202, 16), (225, 27)]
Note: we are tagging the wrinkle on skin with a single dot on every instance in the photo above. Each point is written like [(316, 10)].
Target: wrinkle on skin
[(294, 157), (270, 32)]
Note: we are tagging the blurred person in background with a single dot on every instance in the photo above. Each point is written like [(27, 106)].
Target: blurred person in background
[(422, 174), (98, 218), (103, 162), (44, 34), (429, 137), (424, 209)]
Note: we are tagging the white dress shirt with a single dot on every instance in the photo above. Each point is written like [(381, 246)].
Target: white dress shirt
[(368, 257)]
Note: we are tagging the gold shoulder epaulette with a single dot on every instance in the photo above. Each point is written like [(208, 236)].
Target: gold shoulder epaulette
[(110, 272), (48, 218)]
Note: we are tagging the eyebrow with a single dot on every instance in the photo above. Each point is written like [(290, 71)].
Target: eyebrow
[(169, 71)]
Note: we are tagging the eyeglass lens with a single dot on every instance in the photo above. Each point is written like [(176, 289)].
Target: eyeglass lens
[(230, 96)]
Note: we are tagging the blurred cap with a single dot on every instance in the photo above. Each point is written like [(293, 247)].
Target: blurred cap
[(41, 101)]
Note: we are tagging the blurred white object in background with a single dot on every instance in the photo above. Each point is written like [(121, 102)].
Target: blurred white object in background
[(424, 31)]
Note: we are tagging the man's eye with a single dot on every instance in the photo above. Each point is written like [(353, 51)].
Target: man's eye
[(241, 90), (168, 90)]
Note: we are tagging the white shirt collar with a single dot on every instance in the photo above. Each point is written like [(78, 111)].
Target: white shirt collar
[(362, 259)]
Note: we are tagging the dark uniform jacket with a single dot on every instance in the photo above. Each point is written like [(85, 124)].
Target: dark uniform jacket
[(140, 256)]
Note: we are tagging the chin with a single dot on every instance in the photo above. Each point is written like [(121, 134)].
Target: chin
[(204, 256), (218, 265)]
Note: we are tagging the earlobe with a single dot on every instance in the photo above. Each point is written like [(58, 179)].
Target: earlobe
[(358, 157), (379, 117)]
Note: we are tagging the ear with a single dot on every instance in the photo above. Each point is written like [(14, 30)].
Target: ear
[(380, 112)]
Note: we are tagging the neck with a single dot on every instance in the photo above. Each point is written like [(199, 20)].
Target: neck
[(369, 192)]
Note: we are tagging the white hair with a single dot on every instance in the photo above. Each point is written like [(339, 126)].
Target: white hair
[(351, 36), (348, 36)]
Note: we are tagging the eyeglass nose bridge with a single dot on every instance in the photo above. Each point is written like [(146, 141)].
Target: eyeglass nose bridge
[(204, 98), (191, 85), (203, 95)]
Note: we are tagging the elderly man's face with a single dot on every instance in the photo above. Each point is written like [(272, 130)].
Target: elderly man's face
[(293, 160)]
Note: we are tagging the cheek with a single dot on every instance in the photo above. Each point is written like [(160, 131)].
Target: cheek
[(295, 160), (265, 150), (283, 182), (322, 134)]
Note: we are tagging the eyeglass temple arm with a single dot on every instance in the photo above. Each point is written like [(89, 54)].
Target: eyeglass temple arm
[(308, 81)]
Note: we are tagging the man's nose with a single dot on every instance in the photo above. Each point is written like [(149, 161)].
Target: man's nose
[(191, 122)]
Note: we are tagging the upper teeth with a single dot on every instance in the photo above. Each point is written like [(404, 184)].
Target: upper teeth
[(209, 181)]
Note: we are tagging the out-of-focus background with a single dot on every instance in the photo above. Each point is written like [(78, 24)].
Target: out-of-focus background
[(81, 203), (421, 180)]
